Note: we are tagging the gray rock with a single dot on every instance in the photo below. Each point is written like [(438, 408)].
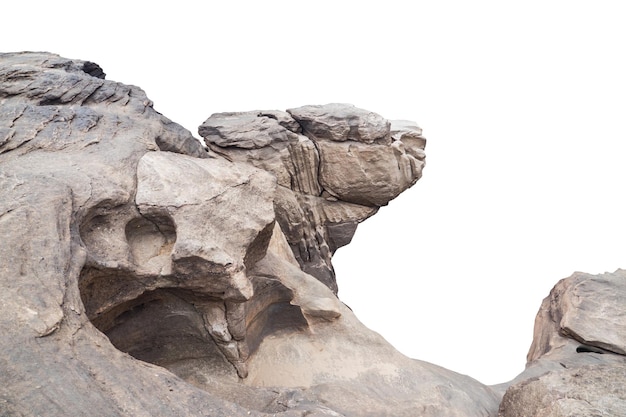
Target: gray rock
[(44, 110), (260, 139), (145, 276)]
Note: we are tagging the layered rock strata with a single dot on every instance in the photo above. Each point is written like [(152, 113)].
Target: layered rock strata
[(335, 165), (145, 275)]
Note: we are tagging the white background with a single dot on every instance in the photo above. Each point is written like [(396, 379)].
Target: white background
[(523, 105)]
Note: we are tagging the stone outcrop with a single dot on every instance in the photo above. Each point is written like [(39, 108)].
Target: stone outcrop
[(144, 274), (577, 363), (335, 165)]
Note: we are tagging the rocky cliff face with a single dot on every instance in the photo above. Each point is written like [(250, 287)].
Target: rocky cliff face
[(144, 274)]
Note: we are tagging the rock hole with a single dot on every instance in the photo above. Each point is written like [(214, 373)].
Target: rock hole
[(162, 327), (589, 349), (93, 69), (127, 293)]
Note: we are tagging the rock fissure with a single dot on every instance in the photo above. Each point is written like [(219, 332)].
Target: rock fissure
[(17, 116), (89, 98), (318, 172)]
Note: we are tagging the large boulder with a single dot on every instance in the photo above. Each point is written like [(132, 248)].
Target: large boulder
[(586, 308), (576, 363), (144, 275)]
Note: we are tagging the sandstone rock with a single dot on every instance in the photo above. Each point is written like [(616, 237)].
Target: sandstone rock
[(44, 110), (145, 276), (314, 299), (346, 164)]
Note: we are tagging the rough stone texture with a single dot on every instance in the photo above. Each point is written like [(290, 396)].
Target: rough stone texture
[(143, 275), (335, 166), (576, 364)]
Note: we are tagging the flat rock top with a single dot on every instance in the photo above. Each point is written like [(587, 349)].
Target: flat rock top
[(341, 122), (247, 130)]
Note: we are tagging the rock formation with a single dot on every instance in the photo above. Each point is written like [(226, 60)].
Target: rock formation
[(577, 363), (334, 165), (144, 274)]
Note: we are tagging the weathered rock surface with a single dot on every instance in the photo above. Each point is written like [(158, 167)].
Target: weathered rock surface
[(576, 364), (335, 166), (143, 275)]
